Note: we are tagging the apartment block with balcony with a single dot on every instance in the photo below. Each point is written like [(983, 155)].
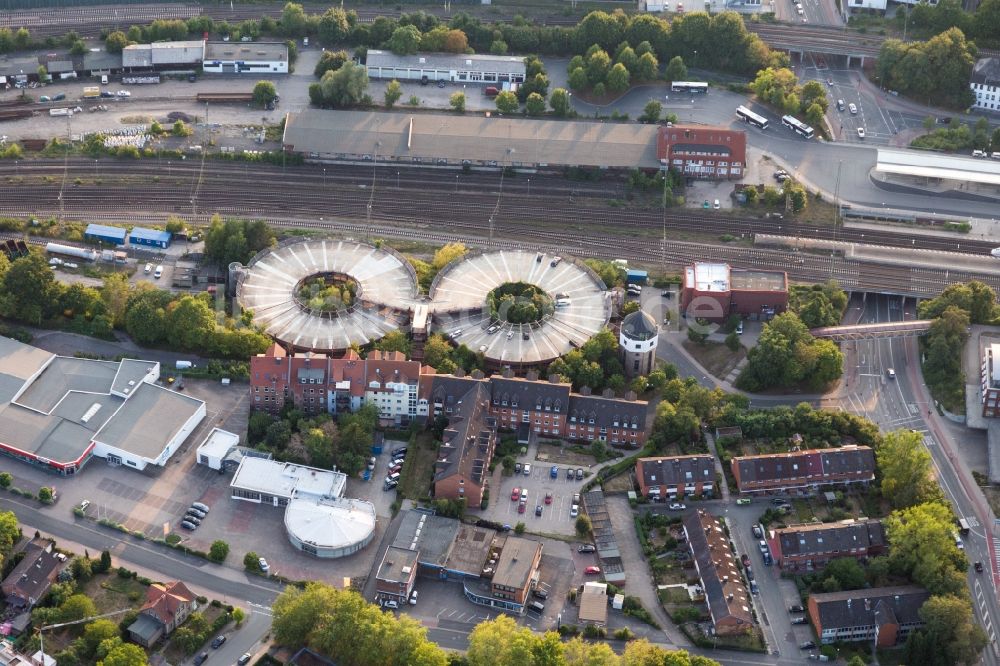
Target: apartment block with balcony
[(668, 478), (803, 472), (810, 547)]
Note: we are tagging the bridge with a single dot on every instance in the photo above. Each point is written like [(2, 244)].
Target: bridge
[(891, 329)]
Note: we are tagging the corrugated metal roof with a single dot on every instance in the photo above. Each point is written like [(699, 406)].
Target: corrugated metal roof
[(105, 231), (505, 141), (150, 234), (936, 165)]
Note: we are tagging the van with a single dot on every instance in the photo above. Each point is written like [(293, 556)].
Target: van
[(104, 79), (978, 153), (537, 606), (158, 273)]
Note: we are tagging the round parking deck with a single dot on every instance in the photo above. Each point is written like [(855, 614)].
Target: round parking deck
[(459, 293), (386, 281)]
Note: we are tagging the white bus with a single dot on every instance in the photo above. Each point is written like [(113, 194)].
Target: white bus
[(689, 86), (800, 127), (748, 116)]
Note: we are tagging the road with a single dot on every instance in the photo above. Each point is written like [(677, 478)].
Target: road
[(902, 403)]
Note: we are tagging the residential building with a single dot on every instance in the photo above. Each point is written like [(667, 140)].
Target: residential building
[(808, 547), (669, 478), (167, 606), (637, 340), (31, 579), (727, 598), (990, 381), (453, 67), (246, 58), (317, 383), (883, 615), (804, 471), (715, 291), (467, 447), (985, 84), (516, 569), (396, 574), (703, 152)]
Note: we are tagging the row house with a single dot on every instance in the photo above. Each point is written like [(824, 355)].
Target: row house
[(317, 383), (804, 471), (808, 547), (467, 444), (673, 477), (883, 615), (726, 595)]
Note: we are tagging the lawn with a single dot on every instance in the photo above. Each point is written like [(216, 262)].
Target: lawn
[(418, 469), (109, 592), (715, 357)]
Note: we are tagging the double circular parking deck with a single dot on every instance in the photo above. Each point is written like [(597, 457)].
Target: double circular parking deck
[(385, 298), (459, 305), (385, 293)]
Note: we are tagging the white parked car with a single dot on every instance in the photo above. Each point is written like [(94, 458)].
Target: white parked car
[(861, 132), (676, 506), (264, 566)]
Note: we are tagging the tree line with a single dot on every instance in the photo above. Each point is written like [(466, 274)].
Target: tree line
[(787, 355), (936, 71)]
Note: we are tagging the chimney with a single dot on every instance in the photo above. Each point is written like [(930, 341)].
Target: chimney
[(585, 390), (532, 376), (868, 604), (630, 396), (459, 372), (477, 374), (608, 393), (507, 372), (554, 379)]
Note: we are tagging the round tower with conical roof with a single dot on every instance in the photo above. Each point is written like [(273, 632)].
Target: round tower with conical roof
[(637, 341)]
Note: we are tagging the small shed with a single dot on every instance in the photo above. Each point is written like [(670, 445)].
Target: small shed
[(219, 444), (633, 276), (101, 233), (594, 604), (151, 237)]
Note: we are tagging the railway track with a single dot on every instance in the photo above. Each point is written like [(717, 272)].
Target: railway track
[(420, 195)]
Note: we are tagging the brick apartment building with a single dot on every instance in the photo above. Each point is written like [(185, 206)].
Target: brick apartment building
[(716, 291), (317, 383), (703, 152), (804, 471), (515, 570), (808, 547), (30, 580), (889, 614), (726, 595), (467, 446), (674, 477)]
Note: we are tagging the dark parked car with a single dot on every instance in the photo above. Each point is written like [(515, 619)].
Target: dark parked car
[(195, 512), (200, 659), (579, 474), (745, 559), (800, 620), (244, 659), (779, 501), (188, 525), (808, 645), (193, 519), (539, 593), (796, 609), (979, 567), (587, 548), (217, 642)]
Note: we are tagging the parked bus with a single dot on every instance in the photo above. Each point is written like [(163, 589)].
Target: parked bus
[(793, 123), (748, 116), (689, 86)]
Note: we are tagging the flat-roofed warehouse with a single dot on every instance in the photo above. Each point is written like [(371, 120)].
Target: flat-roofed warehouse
[(442, 139), (57, 411), (921, 167), (163, 54), (246, 58), (460, 68)]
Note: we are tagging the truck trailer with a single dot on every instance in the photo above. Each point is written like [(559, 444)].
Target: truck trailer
[(90, 92), (72, 251)]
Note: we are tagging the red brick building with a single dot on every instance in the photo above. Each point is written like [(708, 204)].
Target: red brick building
[(716, 291), (725, 594), (804, 471), (467, 447), (886, 615), (670, 478), (809, 547), (703, 152)]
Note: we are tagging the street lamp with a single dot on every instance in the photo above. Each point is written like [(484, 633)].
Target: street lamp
[(529, 187), (456, 183)]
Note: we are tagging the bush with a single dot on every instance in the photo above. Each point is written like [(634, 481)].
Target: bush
[(218, 551), (519, 529), (6, 480), (591, 631), (251, 561), (624, 634)]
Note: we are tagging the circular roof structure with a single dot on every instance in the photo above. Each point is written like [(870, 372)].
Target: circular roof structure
[(334, 527), (458, 298), (639, 325), (386, 291)]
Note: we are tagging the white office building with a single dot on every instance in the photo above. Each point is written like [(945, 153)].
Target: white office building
[(985, 84)]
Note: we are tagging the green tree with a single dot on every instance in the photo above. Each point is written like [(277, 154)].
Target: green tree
[(30, 292), (405, 40), (10, 533), (618, 78), (943, 347), (334, 26), (96, 632), (977, 299), (394, 341), (676, 69), (264, 93), (116, 41), (126, 654), (578, 79), (251, 561), (294, 20), (190, 322), (647, 68), (218, 551), (786, 354), (22, 39), (598, 66), (651, 112), (583, 525), (76, 607), (457, 102), (559, 101), (502, 641), (905, 466), (507, 102), (6, 479), (238, 616), (45, 495), (535, 104), (330, 61), (346, 86), (950, 632), (393, 91), (847, 572), (498, 47), (922, 547)]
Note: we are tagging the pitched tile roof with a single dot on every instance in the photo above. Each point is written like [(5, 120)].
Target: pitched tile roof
[(164, 599), (31, 578), (674, 470), (875, 606), (811, 465), (468, 436), (842, 537), (721, 580)]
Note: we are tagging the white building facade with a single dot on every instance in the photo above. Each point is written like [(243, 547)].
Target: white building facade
[(985, 84)]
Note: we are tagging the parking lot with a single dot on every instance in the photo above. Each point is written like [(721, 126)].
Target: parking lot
[(555, 518)]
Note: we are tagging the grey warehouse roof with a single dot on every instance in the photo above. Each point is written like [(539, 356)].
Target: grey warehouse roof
[(505, 141), (246, 51), (986, 71), (448, 61), (936, 165)]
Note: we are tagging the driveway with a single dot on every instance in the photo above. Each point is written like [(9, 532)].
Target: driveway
[(639, 582)]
